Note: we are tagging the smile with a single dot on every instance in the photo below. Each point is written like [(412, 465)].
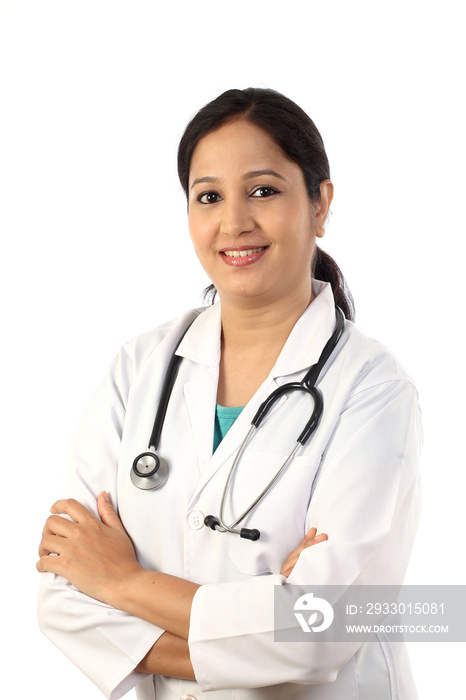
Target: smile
[(244, 257), (242, 253)]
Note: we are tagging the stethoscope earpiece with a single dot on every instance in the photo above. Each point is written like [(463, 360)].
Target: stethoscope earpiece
[(149, 471), (245, 532), (211, 521)]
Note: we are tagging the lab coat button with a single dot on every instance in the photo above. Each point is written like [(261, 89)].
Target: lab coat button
[(188, 697), (196, 521)]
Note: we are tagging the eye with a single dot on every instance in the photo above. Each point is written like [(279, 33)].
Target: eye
[(264, 192), (208, 197)]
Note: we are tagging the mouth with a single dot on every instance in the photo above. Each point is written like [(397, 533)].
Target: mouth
[(243, 253), (243, 256)]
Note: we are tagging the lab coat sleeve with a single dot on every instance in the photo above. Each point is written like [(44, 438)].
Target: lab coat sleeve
[(366, 499), (106, 644)]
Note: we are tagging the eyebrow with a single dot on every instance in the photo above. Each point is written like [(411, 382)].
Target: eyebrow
[(257, 173), (207, 178), (246, 176)]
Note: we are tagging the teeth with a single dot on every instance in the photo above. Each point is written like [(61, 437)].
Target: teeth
[(242, 253)]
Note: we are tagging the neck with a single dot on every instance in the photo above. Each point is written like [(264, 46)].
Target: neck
[(253, 335), (247, 324)]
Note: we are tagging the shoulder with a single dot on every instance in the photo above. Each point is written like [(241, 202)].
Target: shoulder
[(361, 361), (373, 364)]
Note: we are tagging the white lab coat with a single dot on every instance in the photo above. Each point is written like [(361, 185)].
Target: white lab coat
[(361, 467)]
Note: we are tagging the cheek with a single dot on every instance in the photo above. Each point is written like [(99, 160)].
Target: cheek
[(197, 229), (202, 235), (301, 230), (296, 217)]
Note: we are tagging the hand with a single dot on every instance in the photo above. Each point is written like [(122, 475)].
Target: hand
[(308, 540), (96, 556)]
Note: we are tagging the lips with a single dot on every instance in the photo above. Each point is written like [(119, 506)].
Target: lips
[(238, 257)]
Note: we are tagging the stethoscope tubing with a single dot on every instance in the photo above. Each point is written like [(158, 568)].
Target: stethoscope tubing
[(312, 423), (307, 384), (157, 469), (230, 528), (172, 373)]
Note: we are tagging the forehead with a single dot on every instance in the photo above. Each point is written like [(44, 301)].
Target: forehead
[(235, 148)]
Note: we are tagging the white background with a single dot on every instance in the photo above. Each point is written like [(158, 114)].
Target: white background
[(94, 97)]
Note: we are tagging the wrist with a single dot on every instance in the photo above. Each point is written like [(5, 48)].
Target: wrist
[(161, 599), (126, 591)]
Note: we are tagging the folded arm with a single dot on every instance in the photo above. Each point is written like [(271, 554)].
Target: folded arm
[(98, 558)]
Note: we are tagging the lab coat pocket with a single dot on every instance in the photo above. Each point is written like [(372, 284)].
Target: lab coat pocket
[(279, 516)]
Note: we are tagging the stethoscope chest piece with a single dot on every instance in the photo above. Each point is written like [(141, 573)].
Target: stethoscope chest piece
[(149, 471)]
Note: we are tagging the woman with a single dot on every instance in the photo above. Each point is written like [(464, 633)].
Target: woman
[(176, 601)]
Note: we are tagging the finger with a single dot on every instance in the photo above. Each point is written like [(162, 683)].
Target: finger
[(41, 566), (50, 544), (107, 513), (311, 534), (43, 551), (309, 539), (75, 510), (288, 566), (314, 540), (321, 538), (51, 564), (58, 528), (57, 525)]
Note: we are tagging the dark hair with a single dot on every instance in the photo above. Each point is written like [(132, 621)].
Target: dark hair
[(297, 136)]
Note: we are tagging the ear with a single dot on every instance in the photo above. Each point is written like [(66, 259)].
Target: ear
[(322, 208)]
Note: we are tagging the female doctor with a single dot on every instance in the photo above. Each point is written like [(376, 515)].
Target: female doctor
[(144, 593)]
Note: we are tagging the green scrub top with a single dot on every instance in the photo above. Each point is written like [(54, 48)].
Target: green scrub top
[(225, 416)]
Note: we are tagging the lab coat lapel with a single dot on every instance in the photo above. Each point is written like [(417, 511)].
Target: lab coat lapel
[(200, 396), (201, 349), (202, 345), (309, 335)]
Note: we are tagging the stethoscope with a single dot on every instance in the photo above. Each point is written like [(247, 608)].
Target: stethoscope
[(150, 471)]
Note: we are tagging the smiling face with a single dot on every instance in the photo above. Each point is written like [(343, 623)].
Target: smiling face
[(250, 218)]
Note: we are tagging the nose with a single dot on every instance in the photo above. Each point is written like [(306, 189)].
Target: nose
[(236, 218)]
